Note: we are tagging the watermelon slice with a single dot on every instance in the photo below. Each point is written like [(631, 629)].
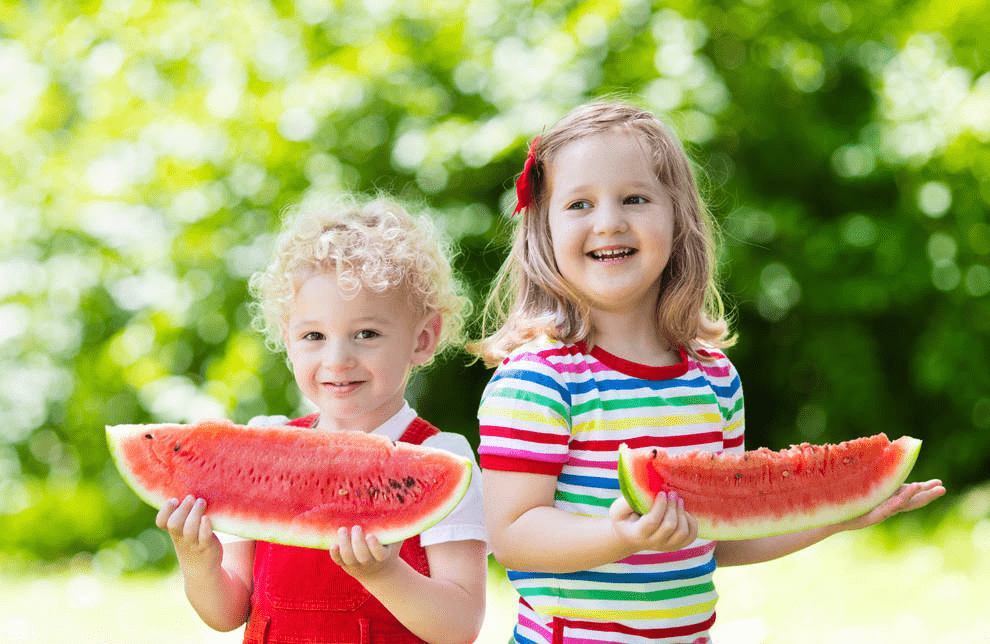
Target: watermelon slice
[(292, 485), (761, 492)]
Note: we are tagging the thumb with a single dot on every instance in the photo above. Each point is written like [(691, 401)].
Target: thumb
[(620, 509)]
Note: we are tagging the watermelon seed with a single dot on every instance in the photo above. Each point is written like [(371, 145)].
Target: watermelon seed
[(738, 475), (148, 436), (401, 498), (342, 492), (394, 483), (785, 473), (176, 448), (410, 481)]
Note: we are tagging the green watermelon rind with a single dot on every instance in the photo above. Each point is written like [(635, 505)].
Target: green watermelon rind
[(115, 434), (826, 514), (284, 533), (639, 498)]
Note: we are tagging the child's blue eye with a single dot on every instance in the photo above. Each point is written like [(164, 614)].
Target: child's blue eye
[(579, 205), (367, 334), (314, 336), (636, 199)]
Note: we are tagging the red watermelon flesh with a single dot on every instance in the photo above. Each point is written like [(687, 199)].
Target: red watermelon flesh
[(762, 492), (292, 485)]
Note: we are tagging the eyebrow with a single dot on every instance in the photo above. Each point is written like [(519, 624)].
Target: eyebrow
[(634, 185), (370, 319)]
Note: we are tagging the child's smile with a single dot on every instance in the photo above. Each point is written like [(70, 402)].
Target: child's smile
[(611, 254)]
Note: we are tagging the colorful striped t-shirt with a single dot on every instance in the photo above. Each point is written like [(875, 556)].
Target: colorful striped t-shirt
[(562, 410)]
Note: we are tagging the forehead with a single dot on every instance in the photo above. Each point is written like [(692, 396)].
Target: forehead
[(322, 295), (610, 156)]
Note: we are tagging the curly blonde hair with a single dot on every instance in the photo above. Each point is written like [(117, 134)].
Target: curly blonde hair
[(530, 296), (373, 244)]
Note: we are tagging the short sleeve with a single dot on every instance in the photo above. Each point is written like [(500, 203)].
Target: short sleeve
[(524, 417), (467, 520), (730, 400)]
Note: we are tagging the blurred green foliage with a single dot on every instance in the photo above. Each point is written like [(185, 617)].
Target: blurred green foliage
[(149, 148)]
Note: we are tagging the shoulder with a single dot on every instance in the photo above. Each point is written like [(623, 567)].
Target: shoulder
[(541, 367), (720, 374), (715, 364), (268, 421), (451, 442), (542, 355)]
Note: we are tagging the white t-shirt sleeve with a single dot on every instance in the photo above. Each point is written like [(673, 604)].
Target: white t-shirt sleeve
[(467, 520)]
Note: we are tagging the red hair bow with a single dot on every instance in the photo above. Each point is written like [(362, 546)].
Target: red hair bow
[(524, 187)]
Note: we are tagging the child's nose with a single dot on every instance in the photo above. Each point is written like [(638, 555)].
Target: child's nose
[(337, 354), (610, 218)]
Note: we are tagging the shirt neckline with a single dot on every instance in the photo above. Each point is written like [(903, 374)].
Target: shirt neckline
[(637, 370), (394, 427)]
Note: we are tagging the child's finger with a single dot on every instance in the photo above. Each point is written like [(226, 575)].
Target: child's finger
[(191, 527), (655, 515), (362, 554), (205, 529), (620, 509), (681, 530), (344, 547), (335, 555), (161, 519), (670, 518), (377, 550), (177, 521)]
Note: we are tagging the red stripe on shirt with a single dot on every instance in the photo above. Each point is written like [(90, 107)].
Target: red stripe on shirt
[(704, 438), (524, 435), (509, 464)]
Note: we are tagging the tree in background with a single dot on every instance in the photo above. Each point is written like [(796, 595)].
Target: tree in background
[(149, 148)]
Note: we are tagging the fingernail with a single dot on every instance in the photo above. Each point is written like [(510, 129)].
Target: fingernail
[(672, 497), (173, 501), (200, 502)]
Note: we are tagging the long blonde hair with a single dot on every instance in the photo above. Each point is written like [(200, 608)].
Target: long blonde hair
[(531, 298)]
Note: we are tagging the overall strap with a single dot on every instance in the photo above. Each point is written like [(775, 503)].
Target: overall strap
[(305, 421), (418, 431)]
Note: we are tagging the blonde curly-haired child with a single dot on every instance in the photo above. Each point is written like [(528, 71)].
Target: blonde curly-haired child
[(359, 294)]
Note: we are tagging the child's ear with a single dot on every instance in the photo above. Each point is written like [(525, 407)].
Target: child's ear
[(426, 340)]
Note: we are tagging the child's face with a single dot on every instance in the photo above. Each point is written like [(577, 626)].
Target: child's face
[(352, 357), (611, 222)]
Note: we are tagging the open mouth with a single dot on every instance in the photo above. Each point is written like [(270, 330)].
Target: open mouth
[(611, 254)]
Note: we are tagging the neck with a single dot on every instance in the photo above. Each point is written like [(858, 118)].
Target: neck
[(632, 338)]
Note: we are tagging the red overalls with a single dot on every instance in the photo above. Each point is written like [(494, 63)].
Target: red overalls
[(300, 595)]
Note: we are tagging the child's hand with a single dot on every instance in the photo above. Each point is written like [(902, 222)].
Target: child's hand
[(191, 532), (909, 496), (665, 527), (362, 556)]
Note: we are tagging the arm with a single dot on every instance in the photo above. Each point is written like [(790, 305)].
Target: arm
[(520, 514), (217, 578), (445, 608), (910, 496)]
